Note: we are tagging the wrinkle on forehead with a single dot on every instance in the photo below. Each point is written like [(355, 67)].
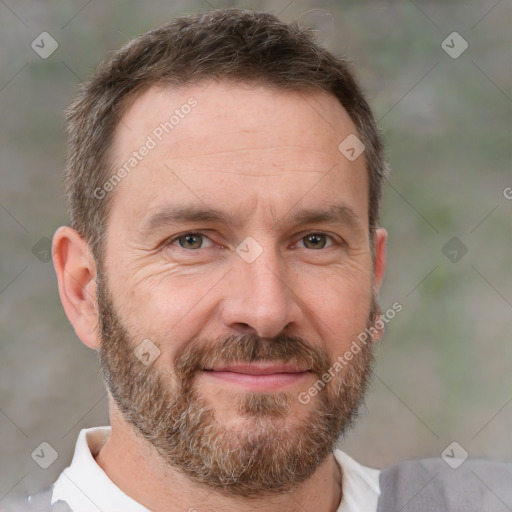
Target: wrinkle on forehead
[(260, 162)]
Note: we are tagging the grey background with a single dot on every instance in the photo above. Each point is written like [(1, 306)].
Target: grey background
[(443, 371)]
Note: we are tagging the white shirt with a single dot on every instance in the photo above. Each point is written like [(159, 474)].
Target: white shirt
[(87, 488)]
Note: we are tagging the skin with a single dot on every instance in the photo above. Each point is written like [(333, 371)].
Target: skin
[(258, 154)]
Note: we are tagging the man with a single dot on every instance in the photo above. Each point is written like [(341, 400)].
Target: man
[(224, 258)]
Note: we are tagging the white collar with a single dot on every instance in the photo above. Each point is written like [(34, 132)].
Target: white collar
[(87, 488), (360, 485)]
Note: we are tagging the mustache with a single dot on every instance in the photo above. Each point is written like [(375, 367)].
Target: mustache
[(248, 348)]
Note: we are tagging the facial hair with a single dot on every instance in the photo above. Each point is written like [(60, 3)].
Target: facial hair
[(268, 453)]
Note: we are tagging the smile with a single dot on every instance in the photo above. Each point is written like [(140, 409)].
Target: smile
[(263, 376)]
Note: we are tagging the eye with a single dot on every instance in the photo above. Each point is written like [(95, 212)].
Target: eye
[(315, 240), (190, 241), (194, 241)]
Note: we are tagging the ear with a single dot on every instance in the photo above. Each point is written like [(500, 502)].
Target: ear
[(76, 275), (379, 266), (379, 263)]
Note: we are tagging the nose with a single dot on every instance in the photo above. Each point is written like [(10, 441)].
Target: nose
[(260, 297)]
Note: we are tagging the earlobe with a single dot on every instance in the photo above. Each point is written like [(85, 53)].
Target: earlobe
[(76, 275)]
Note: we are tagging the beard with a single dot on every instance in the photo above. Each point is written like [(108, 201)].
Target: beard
[(268, 452)]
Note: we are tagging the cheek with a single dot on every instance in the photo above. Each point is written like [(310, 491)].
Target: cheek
[(166, 309), (339, 306)]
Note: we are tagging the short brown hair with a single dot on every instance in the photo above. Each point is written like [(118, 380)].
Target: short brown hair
[(222, 44)]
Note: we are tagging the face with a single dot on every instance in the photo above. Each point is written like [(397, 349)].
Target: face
[(238, 249)]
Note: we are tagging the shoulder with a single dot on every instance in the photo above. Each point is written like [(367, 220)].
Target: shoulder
[(38, 502), (432, 485)]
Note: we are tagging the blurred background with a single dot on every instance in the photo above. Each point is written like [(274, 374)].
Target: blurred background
[(443, 101)]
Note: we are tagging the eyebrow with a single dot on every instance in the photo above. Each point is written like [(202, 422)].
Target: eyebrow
[(333, 214)]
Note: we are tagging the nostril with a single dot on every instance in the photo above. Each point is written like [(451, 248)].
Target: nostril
[(243, 328)]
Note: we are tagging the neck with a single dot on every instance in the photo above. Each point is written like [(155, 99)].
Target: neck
[(138, 470)]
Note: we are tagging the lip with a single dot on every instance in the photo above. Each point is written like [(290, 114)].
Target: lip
[(258, 376), (258, 368)]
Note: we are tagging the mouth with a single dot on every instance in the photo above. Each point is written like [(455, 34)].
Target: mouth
[(259, 376)]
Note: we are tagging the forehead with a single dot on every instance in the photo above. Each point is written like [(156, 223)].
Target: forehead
[(314, 120), (199, 142)]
